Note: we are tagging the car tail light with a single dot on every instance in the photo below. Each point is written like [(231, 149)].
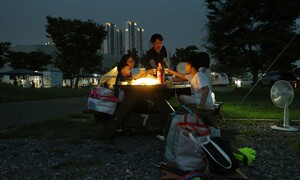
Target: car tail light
[(296, 84)]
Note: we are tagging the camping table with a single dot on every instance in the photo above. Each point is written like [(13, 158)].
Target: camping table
[(158, 94)]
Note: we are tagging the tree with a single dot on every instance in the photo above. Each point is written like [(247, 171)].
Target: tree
[(243, 35), (78, 43), (35, 61), (183, 53), (17, 59), (4, 47), (174, 61), (38, 60), (142, 61)]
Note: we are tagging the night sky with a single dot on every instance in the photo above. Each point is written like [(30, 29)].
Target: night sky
[(180, 22)]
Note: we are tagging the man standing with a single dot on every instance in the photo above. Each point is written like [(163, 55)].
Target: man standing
[(157, 54)]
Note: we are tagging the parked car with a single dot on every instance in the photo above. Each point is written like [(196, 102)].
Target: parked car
[(296, 71), (243, 82), (219, 79), (272, 76)]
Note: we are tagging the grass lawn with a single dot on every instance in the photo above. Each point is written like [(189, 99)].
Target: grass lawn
[(11, 93), (257, 105)]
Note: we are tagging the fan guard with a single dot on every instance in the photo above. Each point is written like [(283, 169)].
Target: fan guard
[(181, 67), (282, 95)]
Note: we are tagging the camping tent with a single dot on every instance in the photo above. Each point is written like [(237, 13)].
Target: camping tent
[(111, 76), (18, 75)]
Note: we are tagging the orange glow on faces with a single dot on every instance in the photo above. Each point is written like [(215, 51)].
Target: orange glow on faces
[(125, 71), (188, 68), (157, 45), (130, 62)]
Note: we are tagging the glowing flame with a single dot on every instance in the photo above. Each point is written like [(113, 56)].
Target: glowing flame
[(145, 81)]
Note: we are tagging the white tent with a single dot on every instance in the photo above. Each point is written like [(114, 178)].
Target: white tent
[(111, 76)]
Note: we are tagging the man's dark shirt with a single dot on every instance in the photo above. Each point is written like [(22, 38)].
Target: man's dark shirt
[(157, 57)]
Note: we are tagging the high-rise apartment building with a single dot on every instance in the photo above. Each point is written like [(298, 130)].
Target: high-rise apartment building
[(130, 35), (119, 41), (133, 37), (111, 45), (140, 46)]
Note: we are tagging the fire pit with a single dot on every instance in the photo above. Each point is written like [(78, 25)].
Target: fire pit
[(140, 90)]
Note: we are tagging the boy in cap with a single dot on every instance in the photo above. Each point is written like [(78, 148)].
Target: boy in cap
[(200, 86)]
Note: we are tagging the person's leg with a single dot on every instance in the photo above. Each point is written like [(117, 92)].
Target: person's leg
[(185, 99)]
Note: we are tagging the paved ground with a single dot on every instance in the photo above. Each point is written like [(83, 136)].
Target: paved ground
[(14, 113)]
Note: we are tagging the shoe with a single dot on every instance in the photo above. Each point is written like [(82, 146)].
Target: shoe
[(162, 138)]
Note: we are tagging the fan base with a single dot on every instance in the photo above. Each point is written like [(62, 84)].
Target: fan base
[(284, 128)]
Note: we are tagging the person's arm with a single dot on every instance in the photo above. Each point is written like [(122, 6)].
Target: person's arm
[(178, 74), (152, 64), (177, 79), (166, 60), (166, 63), (140, 74), (204, 91), (143, 74)]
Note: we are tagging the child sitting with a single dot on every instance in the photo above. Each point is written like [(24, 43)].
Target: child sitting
[(200, 86)]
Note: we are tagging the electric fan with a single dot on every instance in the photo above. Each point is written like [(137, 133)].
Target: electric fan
[(282, 94), (181, 67)]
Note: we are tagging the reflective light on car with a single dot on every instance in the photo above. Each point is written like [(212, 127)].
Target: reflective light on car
[(238, 83)]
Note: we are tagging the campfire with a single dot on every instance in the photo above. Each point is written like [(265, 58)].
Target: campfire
[(145, 81)]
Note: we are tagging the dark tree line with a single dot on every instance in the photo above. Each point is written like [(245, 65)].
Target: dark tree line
[(250, 35), (4, 47), (77, 42), (35, 61), (78, 45)]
